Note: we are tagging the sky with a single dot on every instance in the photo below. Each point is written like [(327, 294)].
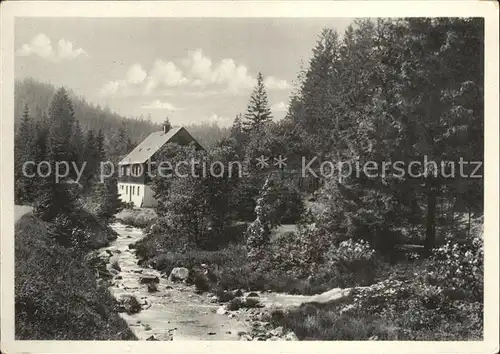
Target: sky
[(188, 69)]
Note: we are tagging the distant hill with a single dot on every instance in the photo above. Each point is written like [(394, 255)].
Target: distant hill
[(207, 134), (38, 96)]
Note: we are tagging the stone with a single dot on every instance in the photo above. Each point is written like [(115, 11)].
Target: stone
[(118, 277), (231, 315), (234, 304), (252, 294), (237, 293), (131, 246), (221, 311), (291, 336), (169, 287), (137, 271), (151, 337), (152, 288), (148, 278), (214, 299), (211, 333), (178, 274), (226, 296), (250, 302), (278, 331), (128, 303)]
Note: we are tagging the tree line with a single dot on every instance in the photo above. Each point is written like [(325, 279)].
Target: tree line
[(387, 90)]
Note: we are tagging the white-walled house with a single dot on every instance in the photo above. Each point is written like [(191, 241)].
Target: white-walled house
[(133, 186)]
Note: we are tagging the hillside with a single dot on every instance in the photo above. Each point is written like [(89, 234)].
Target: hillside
[(38, 96), (57, 296)]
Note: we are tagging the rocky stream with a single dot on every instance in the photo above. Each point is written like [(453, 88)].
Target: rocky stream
[(172, 310)]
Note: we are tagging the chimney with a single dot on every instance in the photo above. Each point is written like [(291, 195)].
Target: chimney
[(165, 129)]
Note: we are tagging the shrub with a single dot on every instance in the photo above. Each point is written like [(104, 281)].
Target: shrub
[(56, 295), (354, 261), (141, 218), (458, 265)]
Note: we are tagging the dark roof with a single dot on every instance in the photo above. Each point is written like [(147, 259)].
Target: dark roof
[(150, 145)]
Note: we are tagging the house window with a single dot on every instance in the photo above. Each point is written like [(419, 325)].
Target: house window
[(138, 191), (133, 190)]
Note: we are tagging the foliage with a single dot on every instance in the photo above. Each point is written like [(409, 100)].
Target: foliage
[(207, 133), (259, 231), (56, 296), (258, 111), (119, 132), (196, 204), (137, 217)]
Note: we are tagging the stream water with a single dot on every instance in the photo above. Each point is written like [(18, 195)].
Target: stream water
[(175, 311)]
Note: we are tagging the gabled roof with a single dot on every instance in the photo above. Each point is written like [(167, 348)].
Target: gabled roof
[(152, 144)]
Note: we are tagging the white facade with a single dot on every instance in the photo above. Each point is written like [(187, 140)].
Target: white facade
[(139, 194)]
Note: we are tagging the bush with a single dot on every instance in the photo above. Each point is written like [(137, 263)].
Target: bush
[(458, 265), (56, 295), (80, 230), (354, 261), (390, 310), (137, 217)]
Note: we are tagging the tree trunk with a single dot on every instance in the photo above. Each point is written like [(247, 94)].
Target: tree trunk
[(430, 235)]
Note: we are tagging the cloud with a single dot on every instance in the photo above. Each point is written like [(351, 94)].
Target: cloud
[(279, 107), (235, 77), (273, 83), (112, 87), (162, 75), (41, 45), (136, 74), (199, 77), (157, 104), (221, 121)]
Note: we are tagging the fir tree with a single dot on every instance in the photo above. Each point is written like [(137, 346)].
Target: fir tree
[(23, 151), (258, 111), (77, 146), (54, 197), (91, 157)]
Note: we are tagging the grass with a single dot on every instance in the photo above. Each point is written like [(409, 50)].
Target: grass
[(398, 312), (56, 294), (139, 217)]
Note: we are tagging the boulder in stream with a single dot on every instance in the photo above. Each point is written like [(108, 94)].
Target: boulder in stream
[(178, 274), (148, 278), (152, 288), (250, 302), (128, 303)]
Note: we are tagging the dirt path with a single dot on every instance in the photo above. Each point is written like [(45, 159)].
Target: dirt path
[(21, 210)]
